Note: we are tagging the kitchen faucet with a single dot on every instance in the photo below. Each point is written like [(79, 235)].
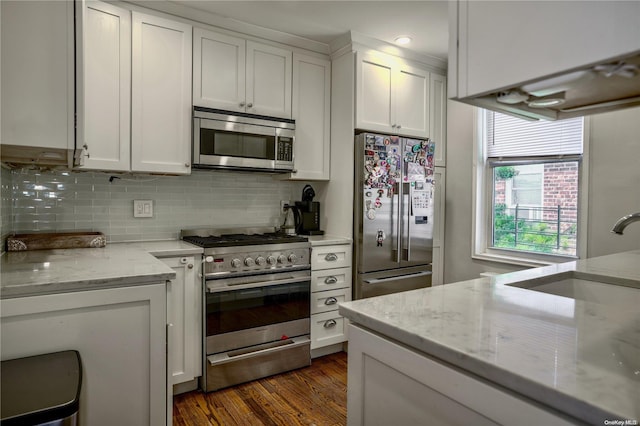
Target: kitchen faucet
[(624, 221)]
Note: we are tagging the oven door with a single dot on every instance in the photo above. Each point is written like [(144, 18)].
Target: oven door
[(247, 311)]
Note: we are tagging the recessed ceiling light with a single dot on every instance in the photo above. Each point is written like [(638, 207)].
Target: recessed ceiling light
[(403, 40)]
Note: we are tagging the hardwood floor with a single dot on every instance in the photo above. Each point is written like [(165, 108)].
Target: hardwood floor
[(311, 396)]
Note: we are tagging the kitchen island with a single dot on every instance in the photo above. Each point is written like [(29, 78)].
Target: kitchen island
[(492, 351), (107, 303)]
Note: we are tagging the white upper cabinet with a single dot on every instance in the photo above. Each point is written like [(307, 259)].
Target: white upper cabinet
[(104, 86), (438, 117), (234, 74), (311, 111), (161, 95), (391, 96), (493, 46), (37, 74), (218, 71), (134, 91), (268, 80)]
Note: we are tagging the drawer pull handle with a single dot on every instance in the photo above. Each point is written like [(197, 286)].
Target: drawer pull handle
[(330, 280), (330, 323), (331, 301), (331, 257)]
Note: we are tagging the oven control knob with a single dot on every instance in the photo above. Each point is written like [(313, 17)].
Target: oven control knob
[(236, 263), (271, 260), (260, 260), (293, 258), (282, 258), (249, 261)]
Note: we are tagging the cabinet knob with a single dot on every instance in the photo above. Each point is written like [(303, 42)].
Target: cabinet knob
[(393, 125), (242, 104), (249, 105), (187, 165), (331, 301), (331, 257), (190, 266), (330, 280), (330, 323), (398, 126)]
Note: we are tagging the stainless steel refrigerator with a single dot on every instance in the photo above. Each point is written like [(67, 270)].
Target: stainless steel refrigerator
[(393, 214)]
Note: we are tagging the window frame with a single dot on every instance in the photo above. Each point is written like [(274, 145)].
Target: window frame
[(482, 205)]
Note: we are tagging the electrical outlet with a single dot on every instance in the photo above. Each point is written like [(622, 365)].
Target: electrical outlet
[(142, 208), (284, 203)]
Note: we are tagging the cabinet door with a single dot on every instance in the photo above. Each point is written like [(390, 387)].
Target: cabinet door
[(121, 336), (411, 87), (183, 317), (37, 74), (559, 46), (438, 117), (161, 95), (268, 80), (103, 84), (218, 71), (374, 97), (311, 110)]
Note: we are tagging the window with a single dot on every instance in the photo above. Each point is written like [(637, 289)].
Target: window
[(528, 189)]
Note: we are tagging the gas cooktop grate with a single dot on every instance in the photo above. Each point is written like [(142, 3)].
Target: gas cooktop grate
[(230, 240)]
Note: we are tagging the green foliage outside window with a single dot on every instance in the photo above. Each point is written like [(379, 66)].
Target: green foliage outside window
[(505, 172)]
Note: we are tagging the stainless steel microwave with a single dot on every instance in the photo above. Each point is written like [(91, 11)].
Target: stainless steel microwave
[(228, 140)]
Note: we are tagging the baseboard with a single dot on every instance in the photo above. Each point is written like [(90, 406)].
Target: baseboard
[(327, 350), (189, 386)]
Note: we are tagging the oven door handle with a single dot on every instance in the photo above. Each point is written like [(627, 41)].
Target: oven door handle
[(281, 345), (242, 286)]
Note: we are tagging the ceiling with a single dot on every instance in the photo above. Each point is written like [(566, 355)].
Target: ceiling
[(426, 22)]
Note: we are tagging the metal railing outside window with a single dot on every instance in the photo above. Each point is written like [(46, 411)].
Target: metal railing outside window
[(535, 229)]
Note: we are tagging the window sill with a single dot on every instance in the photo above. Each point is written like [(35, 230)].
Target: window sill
[(530, 262)]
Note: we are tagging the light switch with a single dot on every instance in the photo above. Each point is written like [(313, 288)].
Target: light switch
[(142, 208)]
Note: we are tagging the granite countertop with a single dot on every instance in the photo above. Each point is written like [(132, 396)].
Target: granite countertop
[(581, 358), (40, 272)]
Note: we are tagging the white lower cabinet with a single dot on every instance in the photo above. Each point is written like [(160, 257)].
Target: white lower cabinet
[(184, 320), (120, 334), (330, 285), (390, 384)]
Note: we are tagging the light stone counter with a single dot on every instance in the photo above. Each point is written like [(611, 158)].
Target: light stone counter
[(39, 272), (581, 358), (166, 248)]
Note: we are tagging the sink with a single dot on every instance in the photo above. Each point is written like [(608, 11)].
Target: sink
[(590, 288)]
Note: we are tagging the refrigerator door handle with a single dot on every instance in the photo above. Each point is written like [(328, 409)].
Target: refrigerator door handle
[(407, 216), (396, 278), (398, 195)]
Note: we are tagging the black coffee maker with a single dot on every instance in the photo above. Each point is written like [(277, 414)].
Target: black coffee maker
[(308, 213)]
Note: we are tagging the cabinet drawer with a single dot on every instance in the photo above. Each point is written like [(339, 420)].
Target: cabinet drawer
[(325, 301), (328, 328), (330, 279), (338, 256)]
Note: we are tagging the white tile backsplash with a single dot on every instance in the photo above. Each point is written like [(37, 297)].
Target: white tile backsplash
[(57, 201)]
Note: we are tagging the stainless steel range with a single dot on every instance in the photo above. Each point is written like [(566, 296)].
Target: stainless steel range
[(256, 285)]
